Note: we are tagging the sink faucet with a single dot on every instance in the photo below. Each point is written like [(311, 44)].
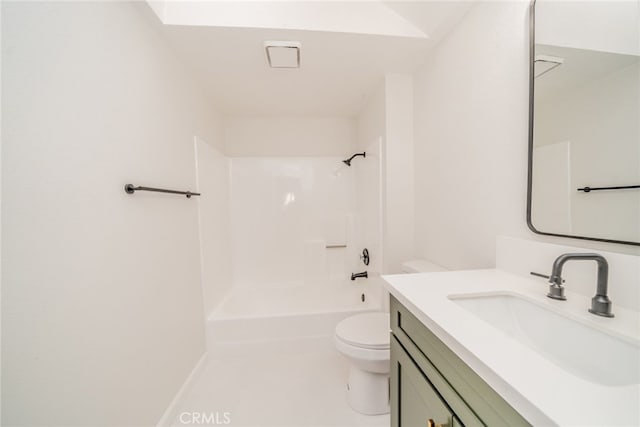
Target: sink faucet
[(600, 303), (354, 276)]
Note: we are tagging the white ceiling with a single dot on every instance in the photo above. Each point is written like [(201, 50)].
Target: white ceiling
[(343, 16), (339, 69)]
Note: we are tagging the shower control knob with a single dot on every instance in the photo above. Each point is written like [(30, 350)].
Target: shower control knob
[(365, 256)]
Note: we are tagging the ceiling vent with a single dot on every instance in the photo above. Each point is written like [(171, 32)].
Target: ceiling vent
[(283, 54)]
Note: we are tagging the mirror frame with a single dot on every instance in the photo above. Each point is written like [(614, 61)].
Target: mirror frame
[(532, 54)]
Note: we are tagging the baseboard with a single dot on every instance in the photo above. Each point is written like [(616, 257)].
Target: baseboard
[(170, 413)]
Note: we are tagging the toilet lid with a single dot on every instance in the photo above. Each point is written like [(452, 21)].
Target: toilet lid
[(369, 330)]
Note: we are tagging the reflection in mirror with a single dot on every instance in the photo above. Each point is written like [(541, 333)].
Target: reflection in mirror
[(586, 120)]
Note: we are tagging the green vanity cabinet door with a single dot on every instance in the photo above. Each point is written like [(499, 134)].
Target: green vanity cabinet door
[(469, 401), (414, 402)]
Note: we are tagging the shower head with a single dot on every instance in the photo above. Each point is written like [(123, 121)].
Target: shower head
[(348, 161)]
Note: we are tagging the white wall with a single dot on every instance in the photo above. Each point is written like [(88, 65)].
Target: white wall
[(386, 121), (372, 123), (470, 106), (399, 232), (212, 169), (279, 136), (368, 223), (102, 315), (371, 135)]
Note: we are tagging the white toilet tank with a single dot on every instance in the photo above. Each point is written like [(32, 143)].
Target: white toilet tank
[(421, 266)]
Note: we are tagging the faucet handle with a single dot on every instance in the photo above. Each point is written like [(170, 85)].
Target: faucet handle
[(544, 276), (556, 290)]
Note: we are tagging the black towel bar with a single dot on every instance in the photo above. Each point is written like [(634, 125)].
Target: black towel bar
[(130, 189), (623, 187)]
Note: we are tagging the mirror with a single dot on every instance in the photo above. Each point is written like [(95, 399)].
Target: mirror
[(584, 120)]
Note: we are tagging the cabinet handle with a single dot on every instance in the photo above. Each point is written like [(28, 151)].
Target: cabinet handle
[(431, 423)]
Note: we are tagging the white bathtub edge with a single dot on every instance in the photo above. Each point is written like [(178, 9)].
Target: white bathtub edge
[(238, 331), (169, 414)]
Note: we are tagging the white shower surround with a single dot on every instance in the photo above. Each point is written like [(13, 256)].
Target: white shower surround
[(284, 211), (288, 286)]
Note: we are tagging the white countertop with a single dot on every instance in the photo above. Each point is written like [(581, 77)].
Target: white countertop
[(538, 389)]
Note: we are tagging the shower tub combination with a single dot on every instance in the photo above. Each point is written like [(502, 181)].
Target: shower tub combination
[(298, 216), (287, 317)]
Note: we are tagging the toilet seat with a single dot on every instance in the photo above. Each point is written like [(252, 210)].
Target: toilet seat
[(369, 331)]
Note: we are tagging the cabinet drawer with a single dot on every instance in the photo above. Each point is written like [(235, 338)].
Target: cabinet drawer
[(465, 416), (472, 400), (414, 401)]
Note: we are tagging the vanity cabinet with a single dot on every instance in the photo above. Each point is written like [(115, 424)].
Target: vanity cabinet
[(432, 387)]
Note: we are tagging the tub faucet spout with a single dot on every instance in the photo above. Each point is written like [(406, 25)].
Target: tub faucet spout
[(354, 276)]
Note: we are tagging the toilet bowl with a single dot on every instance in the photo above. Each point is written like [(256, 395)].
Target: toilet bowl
[(364, 340)]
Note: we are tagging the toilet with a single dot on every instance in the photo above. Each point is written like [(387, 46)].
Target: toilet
[(365, 339), (421, 266)]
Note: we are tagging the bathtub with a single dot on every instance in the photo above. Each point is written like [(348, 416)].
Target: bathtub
[(278, 318)]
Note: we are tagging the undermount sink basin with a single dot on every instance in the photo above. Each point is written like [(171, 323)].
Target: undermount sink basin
[(576, 347)]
